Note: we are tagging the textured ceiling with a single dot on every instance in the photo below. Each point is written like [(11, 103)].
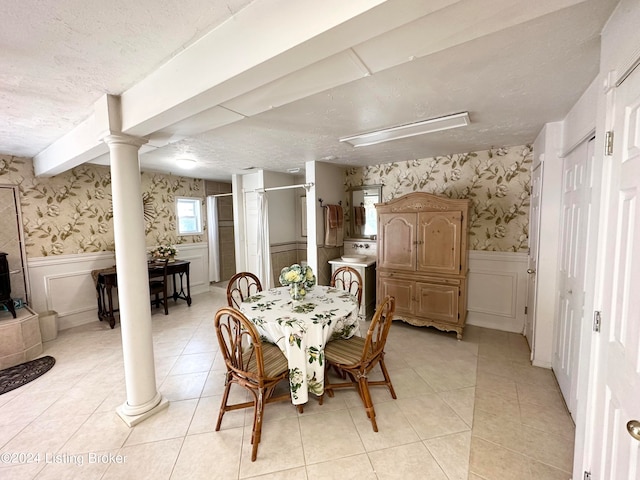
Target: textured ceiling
[(513, 69)]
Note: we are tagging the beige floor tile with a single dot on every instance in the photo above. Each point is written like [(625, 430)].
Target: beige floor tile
[(452, 454), (344, 438), (540, 471), (445, 375), (299, 473), (490, 401), (493, 462), (393, 427), (280, 448), (183, 387), (407, 383), (210, 456), (152, 461), (172, 422), (357, 467), (406, 462), (501, 385), (45, 436), (101, 431), (206, 415), (431, 417), (193, 363), (547, 418), (462, 402), (77, 467), (540, 395)]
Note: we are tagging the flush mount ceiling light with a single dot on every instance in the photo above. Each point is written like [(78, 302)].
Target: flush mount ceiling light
[(409, 130), (186, 163)]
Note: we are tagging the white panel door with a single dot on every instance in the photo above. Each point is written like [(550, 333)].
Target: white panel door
[(534, 234), (616, 453), (576, 196)]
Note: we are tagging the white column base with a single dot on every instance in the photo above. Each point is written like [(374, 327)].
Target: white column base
[(133, 420)]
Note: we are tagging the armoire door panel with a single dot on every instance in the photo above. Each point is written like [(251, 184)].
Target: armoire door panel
[(439, 242), (438, 302), (397, 241), (402, 290)]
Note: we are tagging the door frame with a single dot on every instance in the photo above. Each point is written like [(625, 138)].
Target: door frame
[(21, 239)]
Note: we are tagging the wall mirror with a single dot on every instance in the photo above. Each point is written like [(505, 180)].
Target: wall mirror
[(364, 222)]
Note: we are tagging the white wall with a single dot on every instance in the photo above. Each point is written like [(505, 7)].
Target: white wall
[(546, 150), (329, 180), (282, 207), (580, 123)]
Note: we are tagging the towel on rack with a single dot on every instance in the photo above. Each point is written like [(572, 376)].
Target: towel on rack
[(333, 226), (359, 215), (335, 215)]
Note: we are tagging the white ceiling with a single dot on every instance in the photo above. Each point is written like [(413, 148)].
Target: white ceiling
[(272, 84)]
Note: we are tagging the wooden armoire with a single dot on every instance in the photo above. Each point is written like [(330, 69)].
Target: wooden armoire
[(422, 259)]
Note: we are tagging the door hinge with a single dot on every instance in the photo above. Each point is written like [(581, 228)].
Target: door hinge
[(525, 309), (586, 476), (597, 321), (608, 143)]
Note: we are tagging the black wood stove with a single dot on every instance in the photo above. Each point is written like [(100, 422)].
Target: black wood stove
[(5, 285)]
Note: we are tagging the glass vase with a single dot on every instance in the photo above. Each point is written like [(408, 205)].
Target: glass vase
[(297, 291)]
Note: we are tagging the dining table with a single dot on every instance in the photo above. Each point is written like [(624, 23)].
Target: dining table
[(302, 328)]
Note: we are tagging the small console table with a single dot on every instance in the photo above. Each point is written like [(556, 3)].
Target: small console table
[(106, 279)]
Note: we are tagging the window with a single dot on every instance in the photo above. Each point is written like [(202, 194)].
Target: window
[(189, 213)]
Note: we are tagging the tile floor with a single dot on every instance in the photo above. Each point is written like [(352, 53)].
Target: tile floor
[(469, 409)]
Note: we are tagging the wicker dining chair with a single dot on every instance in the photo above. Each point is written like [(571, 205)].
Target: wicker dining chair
[(347, 278), (255, 366), (241, 286), (357, 356)]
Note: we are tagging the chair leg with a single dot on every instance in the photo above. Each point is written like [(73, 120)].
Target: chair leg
[(387, 378), (223, 405), (363, 386), (257, 425)]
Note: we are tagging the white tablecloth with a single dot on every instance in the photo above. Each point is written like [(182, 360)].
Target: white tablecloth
[(302, 329)]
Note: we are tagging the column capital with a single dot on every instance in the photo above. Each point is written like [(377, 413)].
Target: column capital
[(123, 139)]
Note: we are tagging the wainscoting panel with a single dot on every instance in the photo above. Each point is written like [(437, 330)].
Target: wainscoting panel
[(63, 283), (497, 289)]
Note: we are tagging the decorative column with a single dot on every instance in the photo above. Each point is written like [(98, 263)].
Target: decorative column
[(143, 398)]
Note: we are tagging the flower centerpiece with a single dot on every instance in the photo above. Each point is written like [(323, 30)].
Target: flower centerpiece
[(162, 252), (299, 278)]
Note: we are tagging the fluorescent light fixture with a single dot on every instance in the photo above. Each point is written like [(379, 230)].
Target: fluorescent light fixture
[(186, 163), (409, 130)]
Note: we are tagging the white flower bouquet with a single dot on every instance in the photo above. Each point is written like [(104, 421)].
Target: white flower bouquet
[(299, 278), (163, 251)]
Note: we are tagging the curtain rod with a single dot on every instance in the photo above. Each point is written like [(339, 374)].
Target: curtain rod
[(220, 195), (306, 186)]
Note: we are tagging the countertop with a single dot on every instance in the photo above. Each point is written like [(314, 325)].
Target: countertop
[(370, 260)]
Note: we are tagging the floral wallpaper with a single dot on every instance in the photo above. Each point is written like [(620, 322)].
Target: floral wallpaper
[(497, 181), (72, 212)]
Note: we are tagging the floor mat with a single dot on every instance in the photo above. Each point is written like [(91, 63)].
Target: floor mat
[(14, 377)]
